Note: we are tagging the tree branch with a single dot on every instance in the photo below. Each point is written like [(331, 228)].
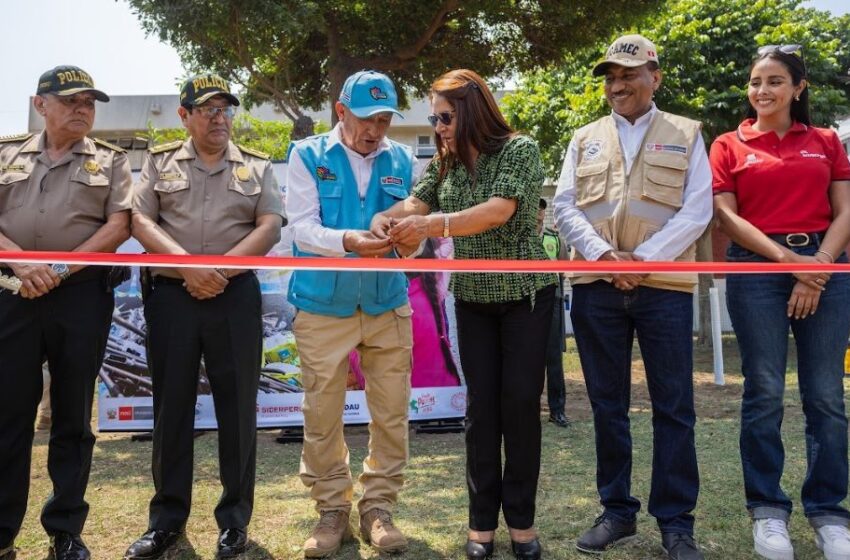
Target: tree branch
[(406, 53)]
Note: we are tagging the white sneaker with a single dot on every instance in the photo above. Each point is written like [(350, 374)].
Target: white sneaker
[(834, 541), (771, 539)]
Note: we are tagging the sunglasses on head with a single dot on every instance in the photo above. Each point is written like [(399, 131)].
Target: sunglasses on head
[(445, 117), (785, 49)]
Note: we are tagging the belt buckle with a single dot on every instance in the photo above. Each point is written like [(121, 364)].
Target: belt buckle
[(797, 239)]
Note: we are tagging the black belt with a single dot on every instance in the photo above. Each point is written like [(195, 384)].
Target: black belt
[(798, 239), (84, 275)]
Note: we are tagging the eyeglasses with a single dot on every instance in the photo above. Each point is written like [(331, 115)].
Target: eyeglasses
[(445, 117), (785, 49), (212, 112)]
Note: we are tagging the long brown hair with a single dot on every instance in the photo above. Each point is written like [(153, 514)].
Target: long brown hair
[(480, 123)]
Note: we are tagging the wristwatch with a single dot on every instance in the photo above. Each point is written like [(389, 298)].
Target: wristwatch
[(62, 270)]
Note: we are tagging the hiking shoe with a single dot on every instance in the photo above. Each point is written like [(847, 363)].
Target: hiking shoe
[(833, 541), (771, 540), (377, 529), (328, 535), (606, 533)]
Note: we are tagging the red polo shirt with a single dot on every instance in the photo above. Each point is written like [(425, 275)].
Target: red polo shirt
[(782, 186)]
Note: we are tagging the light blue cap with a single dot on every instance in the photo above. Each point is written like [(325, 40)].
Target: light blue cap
[(367, 92)]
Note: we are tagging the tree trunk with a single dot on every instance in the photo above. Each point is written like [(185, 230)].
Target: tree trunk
[(704, 254), (337, 75)]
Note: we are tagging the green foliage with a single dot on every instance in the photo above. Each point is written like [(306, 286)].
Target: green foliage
[(156, 136), (271, 137), (297, 53), (706, 48)]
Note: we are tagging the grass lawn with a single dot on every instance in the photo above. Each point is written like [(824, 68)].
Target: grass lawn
[(432, 509)]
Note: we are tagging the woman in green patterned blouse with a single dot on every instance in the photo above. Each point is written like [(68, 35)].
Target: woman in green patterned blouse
[(486, 180)]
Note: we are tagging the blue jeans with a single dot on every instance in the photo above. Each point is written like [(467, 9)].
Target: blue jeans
[(757, 305), (605, 321)]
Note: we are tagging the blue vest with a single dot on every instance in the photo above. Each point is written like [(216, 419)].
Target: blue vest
[(339, 294)]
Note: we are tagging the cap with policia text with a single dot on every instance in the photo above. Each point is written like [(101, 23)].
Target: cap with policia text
[(68, 80), (628, 50), (367, 93), (197, 90)]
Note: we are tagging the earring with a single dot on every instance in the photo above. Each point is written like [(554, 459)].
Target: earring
[(796, 98)]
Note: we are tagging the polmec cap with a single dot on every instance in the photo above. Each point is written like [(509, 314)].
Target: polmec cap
[(197, 90), (68, 80), (628, 50), (367, 93)]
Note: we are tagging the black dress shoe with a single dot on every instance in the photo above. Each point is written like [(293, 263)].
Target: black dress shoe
[(478, 550), (680, 546), (559, 419), (65, 546), (527, 550), (152, 544), (232, 542), (605, 533)]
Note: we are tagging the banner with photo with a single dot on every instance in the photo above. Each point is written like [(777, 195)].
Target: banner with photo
[(125, 398)]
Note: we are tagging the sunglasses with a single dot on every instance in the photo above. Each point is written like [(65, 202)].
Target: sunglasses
[(445, 117), (785, 49)]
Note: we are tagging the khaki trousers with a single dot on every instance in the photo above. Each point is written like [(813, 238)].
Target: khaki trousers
[(324, 343)]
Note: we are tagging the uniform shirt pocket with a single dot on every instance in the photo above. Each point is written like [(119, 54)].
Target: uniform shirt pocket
[(88, 192), (242, 198), (173, 196), (664, 178), (13, 187)]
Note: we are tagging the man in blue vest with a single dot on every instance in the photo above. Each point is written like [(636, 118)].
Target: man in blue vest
[(336, 182)]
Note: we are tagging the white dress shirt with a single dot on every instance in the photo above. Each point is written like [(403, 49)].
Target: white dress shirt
[(302, 198), (675, 236)]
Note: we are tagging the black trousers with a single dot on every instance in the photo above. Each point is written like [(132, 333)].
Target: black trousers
[(69, 326), (226, 330), (556, 389), (502, 351)]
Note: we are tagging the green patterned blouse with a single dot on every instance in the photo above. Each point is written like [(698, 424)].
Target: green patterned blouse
[(515, 172)]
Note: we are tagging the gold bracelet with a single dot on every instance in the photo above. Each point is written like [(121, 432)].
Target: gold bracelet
[(445, 225), (831, 258)]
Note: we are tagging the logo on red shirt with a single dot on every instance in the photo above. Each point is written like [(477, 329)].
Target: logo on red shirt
[(807, 154)]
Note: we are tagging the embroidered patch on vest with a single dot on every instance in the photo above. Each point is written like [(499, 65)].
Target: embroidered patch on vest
[(325, 174), (667, 148), (592, 150), (392, 180)]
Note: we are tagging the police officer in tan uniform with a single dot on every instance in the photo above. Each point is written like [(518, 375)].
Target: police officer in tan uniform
[(204, 196), (636, 186), (59, 191)]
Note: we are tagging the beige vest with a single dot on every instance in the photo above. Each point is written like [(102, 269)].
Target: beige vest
[(627, 209)]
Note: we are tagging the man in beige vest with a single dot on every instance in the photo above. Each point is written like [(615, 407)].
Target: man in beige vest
[(636, 186)]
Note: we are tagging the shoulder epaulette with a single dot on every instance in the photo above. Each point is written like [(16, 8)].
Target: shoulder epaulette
[(253, 152), (166, 147), (109, 145), (16, 137)]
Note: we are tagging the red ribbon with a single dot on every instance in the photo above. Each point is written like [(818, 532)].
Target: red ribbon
[(410, 265)]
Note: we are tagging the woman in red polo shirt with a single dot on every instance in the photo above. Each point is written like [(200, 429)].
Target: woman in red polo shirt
[(782, 194)]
